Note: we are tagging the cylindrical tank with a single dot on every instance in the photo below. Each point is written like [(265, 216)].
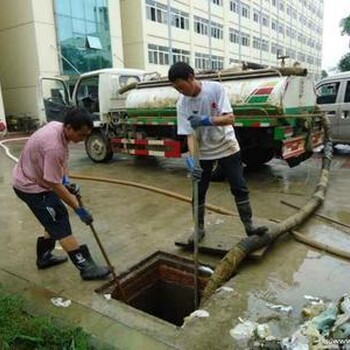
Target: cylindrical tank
[(284, 94)]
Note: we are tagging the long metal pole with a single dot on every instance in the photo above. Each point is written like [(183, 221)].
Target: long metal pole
[(103, 251), (196, 219)]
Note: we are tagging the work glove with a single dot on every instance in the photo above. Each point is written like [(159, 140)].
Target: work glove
[(195, 170), (200, 120), (73, 188), (84, 215)]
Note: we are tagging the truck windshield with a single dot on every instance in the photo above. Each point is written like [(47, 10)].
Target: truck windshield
[(87, 94)]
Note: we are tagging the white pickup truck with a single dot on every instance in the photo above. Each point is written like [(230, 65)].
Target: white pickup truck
[(333, 98)]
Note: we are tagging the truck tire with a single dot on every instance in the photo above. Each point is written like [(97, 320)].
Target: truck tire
[(254, 158), (98, 148)]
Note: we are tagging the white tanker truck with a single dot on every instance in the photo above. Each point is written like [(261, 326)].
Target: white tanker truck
[(134, 111)]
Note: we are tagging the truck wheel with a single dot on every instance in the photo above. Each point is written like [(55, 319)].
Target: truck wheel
[(98, 148), (254, 158)]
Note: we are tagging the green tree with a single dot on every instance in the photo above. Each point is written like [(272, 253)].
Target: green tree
[(344, 63), (324, 74), (345, 26)]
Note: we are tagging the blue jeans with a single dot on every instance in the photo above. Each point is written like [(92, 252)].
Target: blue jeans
[(233, 169)]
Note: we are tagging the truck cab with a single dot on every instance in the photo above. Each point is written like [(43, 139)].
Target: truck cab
[(333, 98), (97, 91)]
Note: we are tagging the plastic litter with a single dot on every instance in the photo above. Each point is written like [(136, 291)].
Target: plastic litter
[(60, 302), (345, 304), (206, 270), (107, 296), (282, 308), (243, 332), (224, 289), (199, 313), (312, 298), (263, 331), (324, 321)]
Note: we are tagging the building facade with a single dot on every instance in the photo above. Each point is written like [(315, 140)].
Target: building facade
[(69, 37), (53, 38), (213, 34)]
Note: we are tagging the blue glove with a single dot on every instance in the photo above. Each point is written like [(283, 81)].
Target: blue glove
[(65, 180), (200, 120), (71, 187), (195, 170), (84, 215)]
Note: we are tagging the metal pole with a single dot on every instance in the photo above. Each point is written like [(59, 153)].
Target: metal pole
[(196, 218), (103, 251)]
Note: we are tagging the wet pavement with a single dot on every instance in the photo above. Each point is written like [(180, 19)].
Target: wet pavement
[(133, 223)]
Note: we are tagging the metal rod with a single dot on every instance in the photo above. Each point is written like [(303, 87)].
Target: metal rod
[(196, 221), (103, 251), (319, 215)]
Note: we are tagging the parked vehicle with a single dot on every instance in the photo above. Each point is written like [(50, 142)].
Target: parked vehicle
[(333, 98), (276, 112)]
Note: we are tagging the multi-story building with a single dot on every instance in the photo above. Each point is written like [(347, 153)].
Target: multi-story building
[(68, 37), (213, 34)]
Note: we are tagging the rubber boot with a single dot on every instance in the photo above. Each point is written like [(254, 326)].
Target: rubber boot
[(82, 259), (201, 230), (44, 247), (245, 213)]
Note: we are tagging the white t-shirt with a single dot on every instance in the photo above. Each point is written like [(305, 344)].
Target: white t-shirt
[(215, 142)]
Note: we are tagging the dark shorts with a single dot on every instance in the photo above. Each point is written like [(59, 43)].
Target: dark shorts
[(50, 211)]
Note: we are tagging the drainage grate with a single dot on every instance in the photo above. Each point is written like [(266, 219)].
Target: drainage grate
[(162, 285)]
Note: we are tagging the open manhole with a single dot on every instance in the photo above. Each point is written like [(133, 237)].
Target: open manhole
[(161, 285)]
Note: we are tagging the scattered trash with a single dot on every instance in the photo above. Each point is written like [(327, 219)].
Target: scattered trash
[(107, 296), (327, 325), (206, 270), (224, 289), (60, 302), (195, 314), (243, 332), (199, 313), (282, 308), (312, 298)]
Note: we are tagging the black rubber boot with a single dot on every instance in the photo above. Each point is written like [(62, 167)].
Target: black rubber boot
[(44, 247), (201, 230), (82, 259), (245, 213)]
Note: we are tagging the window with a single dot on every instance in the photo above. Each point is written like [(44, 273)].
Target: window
[(156, 12), (201, 25), (256, 42), (87, 94), (264, 45), (327, 93), (245, 39), (234, 35), (180, 55), (216, 30), (234, 6), (217, 2), (179, 19), (83, 35), (265, 20), (217, 62), (245, 10), (273, 25), (347, 93), (301, 57), (158, 54), (256, 16), (201, 61)]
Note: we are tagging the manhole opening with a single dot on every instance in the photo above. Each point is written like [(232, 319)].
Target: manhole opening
[(162, 285)]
